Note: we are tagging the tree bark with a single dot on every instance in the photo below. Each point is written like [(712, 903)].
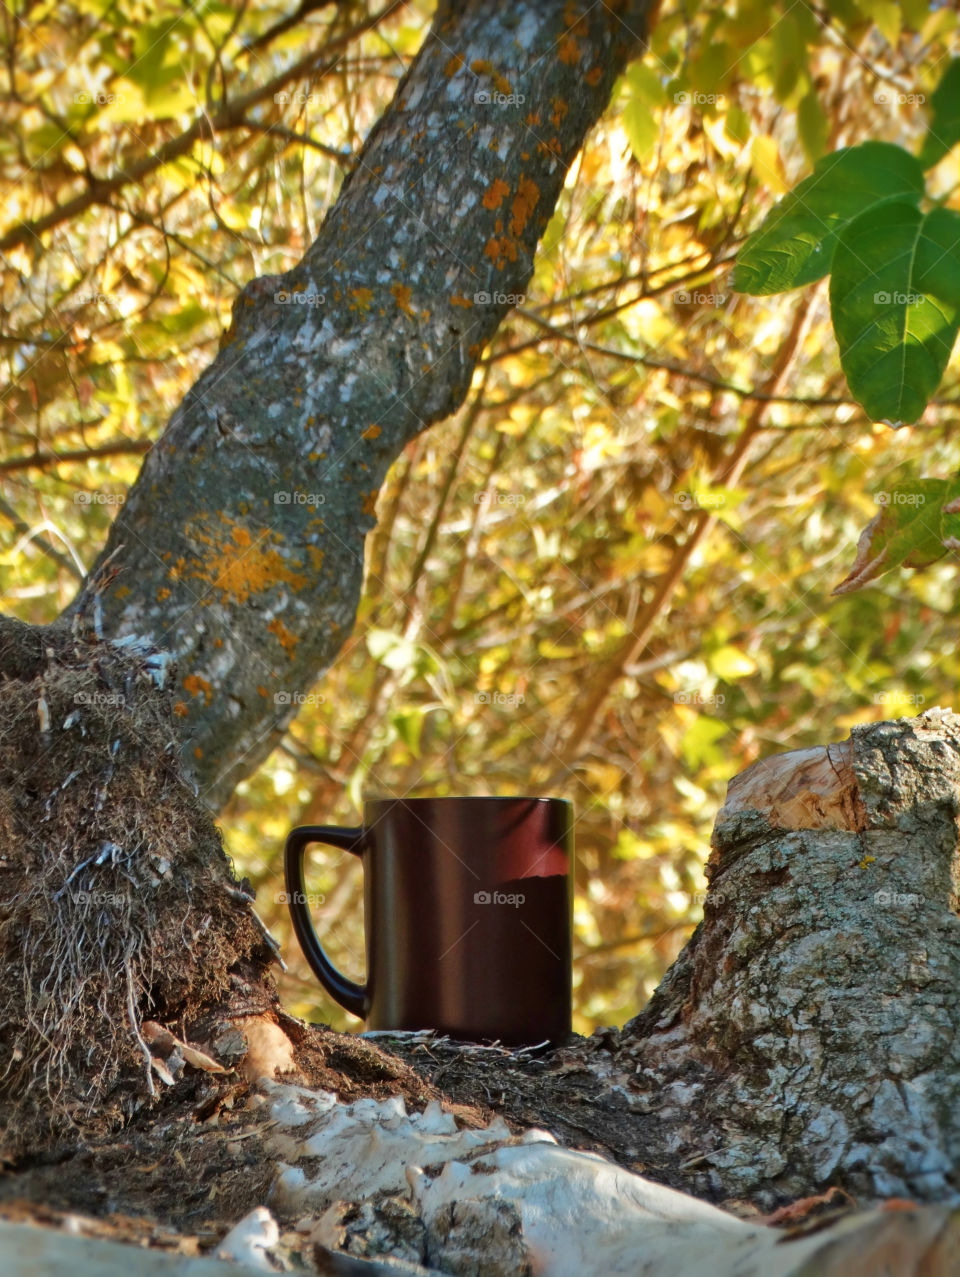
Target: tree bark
[(240, 547)]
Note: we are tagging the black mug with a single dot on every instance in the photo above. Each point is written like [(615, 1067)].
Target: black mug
[(468, 907)]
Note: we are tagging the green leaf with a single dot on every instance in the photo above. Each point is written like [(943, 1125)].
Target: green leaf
[(409, 727), (699, 744), (895, 305), (812, 126), (944, 131), (737, 125), (796, 242), (640, 127), (908, 532), (646, 84)]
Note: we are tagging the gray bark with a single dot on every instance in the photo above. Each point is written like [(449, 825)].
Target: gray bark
[(809, 1034), (240, 547)]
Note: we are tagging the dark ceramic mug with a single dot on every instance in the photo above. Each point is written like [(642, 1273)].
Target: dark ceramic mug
[(468, 912)]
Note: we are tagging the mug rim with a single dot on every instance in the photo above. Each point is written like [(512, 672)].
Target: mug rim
[(380, 799)]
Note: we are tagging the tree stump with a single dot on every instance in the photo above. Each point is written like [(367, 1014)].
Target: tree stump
[(809, 1033)]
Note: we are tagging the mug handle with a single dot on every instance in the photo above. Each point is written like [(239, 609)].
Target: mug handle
[(352, 996)]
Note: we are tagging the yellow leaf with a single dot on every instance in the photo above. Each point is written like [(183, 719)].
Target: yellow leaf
[(765, 158), (887, 17), (730, 662)]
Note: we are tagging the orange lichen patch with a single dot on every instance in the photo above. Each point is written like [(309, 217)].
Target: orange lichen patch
[(453, 65), (481, 66), (372, 432), (370, 501), (198, 686), (236, 565), (575, 20), (524, 202), (262, 691), (122, 591), (533, 118), (549, 148), (568, 51), (198, 752), (501, 83), (162, 594), (316, 557), (559, 109), (181, 709), (218, 642), (501, 249), (401, 295), (362, 299), (494, 196), (286, 638), (458, 299), (594, 76)]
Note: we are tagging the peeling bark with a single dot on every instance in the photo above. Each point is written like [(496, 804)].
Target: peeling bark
[(240, 547)]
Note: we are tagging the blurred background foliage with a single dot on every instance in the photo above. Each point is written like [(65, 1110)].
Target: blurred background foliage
[(609, 576)]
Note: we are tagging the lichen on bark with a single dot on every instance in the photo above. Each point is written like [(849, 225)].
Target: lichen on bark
[(240, 547)]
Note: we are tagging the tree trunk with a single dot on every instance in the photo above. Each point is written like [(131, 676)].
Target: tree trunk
[(240, 547)]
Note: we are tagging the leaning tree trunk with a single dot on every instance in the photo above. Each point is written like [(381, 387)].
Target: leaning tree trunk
[(240, 547)]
